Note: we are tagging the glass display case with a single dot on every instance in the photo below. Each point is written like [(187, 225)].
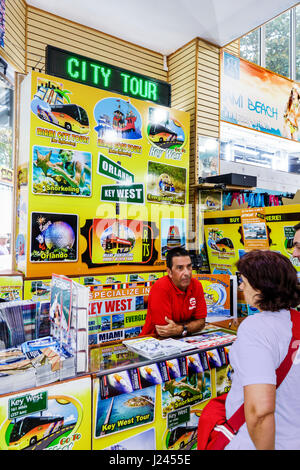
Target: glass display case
[(6, 169)]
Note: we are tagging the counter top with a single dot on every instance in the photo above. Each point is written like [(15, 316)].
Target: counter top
[(116, 357)]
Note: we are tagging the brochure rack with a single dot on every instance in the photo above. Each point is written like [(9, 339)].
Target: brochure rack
[(69, 318), (27, 360)]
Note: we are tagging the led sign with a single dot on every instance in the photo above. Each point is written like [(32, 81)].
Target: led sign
[(64, 64)]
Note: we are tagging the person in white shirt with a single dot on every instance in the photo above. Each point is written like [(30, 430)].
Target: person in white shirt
[(269, 283), (3, 244)]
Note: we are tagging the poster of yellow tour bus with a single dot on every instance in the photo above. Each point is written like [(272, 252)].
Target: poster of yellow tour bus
[(54, 417)]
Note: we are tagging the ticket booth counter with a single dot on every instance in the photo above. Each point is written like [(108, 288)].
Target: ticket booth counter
[(153, 404), (124, 402)]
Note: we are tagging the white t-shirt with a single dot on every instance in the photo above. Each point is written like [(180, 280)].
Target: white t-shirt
[(261, 345), (4, 250)]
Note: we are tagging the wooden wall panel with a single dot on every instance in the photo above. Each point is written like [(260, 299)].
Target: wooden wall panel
[(14, 50), (45, 28), (208, 90), (194, 76), (233, 48), (207, 109), (182, 75)]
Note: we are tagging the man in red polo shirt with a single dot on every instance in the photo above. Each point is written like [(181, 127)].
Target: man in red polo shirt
[(176, 304)]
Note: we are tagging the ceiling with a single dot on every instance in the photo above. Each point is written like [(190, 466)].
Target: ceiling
[(166, 25)]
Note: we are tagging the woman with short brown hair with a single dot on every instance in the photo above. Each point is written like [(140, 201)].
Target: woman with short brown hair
[(269, 283)]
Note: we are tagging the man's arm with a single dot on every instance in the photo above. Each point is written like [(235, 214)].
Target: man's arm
[(175, 329), (159, 307)]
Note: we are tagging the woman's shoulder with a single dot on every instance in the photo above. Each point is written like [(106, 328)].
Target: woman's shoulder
[(264, 324), (265, 331)]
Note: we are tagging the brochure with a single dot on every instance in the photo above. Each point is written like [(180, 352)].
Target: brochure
[(151, 347), (209, 340)]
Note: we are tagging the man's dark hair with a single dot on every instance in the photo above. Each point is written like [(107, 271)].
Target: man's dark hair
[(175, 252), (297, 227), (274, 276)]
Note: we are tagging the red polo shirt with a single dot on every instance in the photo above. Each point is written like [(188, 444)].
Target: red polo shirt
[(166, 300)]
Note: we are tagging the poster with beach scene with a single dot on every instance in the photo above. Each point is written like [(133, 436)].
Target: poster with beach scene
[(125, 411)]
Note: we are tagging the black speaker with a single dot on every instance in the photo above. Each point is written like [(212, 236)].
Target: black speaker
[(196, 259), (233, 179)]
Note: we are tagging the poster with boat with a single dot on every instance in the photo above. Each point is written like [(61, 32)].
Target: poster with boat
[(61, 172), (117, 119), (166, 183)]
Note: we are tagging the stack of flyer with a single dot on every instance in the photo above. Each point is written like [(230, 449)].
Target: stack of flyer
[(51, 360), (23, 320), (153, 348), (210, 339), (18, 322), (16, 371)]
